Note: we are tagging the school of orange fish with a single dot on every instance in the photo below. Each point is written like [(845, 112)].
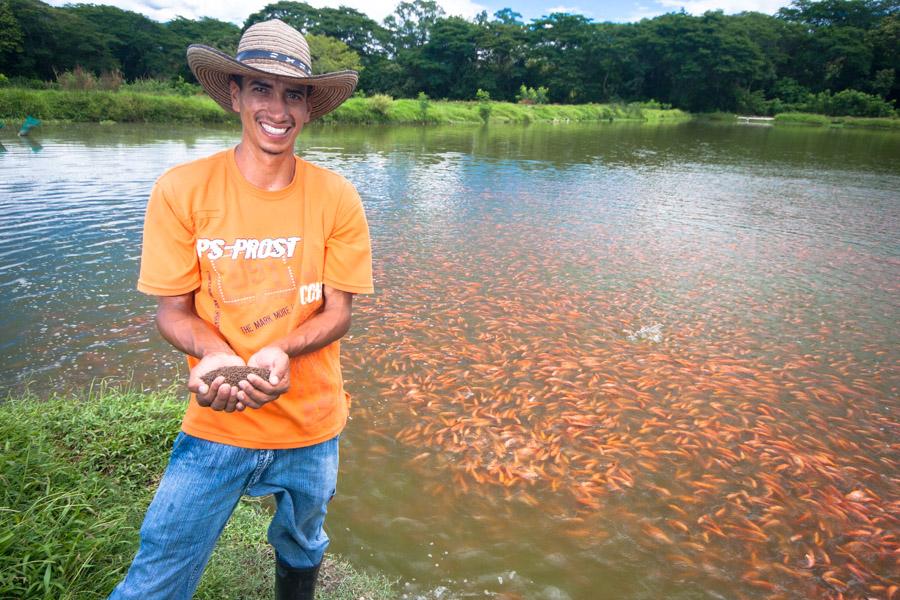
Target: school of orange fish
[(748, 412)]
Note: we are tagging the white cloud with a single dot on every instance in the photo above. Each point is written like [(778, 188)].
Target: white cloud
[(237, 11), (573, 10), (697, 7)]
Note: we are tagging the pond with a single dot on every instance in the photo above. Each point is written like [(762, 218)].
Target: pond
[(603, 361)]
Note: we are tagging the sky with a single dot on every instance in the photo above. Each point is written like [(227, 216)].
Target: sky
[(618, 11)]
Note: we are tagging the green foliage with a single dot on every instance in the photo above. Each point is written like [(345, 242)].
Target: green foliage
[(11, 36), (380, 104), (53, 40), (424, 104), (748, 63), (142, 47), (4, 80), (855, 104), (892, 123), (330, 54), (795, 118), (751, 103), (411, 22), (484, 104), (211, 32), (119, 106), (160, 87), (127, 105), (529, 95), (76, 475)]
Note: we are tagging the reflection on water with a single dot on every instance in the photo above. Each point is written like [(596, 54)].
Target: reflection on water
[(602, 362)]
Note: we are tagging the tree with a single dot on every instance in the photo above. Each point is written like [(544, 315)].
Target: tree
[(143, 47), (329, 54), (221, 35), (53, 40), (12, 39), (700, 63), (885, 42), (446, 66), (411, 23), (501, 54), (562, 56), (506, 16), (862, 14)]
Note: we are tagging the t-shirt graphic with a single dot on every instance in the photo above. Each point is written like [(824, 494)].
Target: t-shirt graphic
[(250, 269)]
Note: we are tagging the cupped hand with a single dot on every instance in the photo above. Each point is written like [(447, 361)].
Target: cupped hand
[(218, 395), (256, 391)]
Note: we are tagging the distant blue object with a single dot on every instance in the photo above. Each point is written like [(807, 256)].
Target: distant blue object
[(29, 124)]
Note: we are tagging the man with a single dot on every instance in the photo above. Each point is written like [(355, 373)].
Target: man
[(254, 255)]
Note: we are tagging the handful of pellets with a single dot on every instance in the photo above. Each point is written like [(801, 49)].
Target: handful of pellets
[(234, 374)]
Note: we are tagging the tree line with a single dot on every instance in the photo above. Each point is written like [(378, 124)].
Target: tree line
[(812, 54)]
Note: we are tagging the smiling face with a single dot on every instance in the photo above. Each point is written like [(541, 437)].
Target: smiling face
[(273, 112)]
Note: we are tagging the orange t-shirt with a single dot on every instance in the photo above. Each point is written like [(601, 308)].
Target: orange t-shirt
[(256, 261)]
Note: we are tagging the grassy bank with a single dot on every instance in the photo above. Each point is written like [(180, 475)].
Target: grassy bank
[(383, 109), (127, 107), (76, 475), (97, 106), (797, 118), (823, 120)]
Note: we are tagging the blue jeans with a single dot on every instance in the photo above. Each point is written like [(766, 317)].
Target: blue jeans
[(197, 494)]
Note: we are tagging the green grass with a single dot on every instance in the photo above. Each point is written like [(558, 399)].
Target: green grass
[(823, 120), (795, 118), (97, 106), (717, 116), (130, 106), (76, 475)]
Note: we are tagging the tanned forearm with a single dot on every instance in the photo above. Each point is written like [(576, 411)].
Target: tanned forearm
[(327, 326), (180, 326)]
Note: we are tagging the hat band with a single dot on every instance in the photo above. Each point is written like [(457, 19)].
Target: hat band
[(290, 60)]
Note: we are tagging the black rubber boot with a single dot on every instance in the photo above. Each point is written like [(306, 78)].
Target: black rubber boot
[(295, 584)]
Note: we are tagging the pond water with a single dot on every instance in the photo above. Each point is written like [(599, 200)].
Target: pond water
[(603, 361)]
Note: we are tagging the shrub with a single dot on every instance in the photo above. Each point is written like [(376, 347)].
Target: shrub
[(528, 95), (380, 104), (424, 104), (851, 103), (79, 79), (17, 81), (4, 80), (111, 80), (802, 118), (17, 103), (161, 87), (854, 103), (484, 104), (752, 103)]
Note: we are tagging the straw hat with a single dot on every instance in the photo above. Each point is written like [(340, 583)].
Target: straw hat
[(266, 49)]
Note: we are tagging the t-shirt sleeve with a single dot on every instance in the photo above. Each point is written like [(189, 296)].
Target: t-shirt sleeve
[(169, 265), (348, 252)]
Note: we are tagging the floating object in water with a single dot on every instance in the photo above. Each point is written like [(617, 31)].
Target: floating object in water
[(29, 124)]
